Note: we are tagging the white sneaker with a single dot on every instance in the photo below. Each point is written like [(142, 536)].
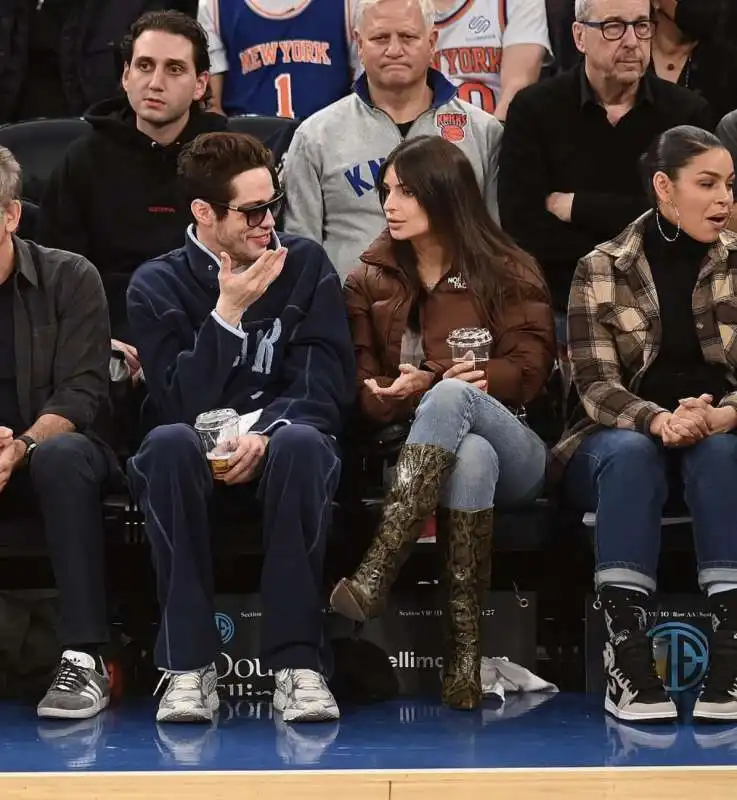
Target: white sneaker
[(303, 696), (190, 696)]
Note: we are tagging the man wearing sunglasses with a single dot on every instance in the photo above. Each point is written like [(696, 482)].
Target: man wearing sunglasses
[(568, 175), (240, 319)]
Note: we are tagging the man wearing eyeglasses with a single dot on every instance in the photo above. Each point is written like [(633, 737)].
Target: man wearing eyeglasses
[(569, 164), (240, 319)]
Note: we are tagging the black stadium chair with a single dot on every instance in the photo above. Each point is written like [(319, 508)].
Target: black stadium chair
[(28, 220), (275, 132), (39, 146)]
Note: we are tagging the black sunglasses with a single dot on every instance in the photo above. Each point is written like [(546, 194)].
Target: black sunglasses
[(255, 215)]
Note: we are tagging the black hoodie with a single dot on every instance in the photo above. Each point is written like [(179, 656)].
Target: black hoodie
[(115, 200)]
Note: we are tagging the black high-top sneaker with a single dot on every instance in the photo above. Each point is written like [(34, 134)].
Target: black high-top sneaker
[(717, 701), (634, 692)]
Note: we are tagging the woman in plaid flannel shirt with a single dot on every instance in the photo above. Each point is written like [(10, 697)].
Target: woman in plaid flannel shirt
[(652, 326)]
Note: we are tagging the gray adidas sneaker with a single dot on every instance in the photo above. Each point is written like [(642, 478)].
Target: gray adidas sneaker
[(78, 690), (190, 696), (303, 696)]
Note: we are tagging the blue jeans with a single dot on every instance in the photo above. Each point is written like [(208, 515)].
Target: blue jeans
[(623, 477), (500, 461)]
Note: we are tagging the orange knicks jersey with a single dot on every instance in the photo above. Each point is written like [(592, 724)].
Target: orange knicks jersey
[(472, 35), (286, 58)]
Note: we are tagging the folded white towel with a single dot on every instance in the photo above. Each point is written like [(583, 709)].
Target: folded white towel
[(499, 676)]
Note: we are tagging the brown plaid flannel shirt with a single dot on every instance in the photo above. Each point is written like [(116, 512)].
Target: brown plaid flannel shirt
[(614, 332)]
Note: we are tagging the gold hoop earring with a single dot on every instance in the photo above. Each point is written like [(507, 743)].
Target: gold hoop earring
[(660, 226)]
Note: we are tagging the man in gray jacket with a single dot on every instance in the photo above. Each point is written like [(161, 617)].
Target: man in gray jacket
[(54, 366), (335, 155)]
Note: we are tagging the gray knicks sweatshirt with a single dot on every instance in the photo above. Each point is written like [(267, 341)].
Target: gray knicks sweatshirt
[(332, 164)]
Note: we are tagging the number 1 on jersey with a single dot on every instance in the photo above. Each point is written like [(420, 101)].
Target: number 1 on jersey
[(283, 86)]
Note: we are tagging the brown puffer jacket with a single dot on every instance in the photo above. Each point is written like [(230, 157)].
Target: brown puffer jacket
[(379, 297)]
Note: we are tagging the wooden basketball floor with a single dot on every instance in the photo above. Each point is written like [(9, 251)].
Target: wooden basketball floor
[(627, 783)]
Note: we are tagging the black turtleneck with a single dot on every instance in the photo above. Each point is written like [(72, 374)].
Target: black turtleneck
[(679, 369)]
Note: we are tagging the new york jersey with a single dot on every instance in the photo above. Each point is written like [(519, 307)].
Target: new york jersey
[(286, 58), (472, 35)]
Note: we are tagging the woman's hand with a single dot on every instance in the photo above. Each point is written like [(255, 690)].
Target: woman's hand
[(672, 432), (466, 371), (690, 422), (681, 432), (658, 422), (722, 420), (411, 381), (716, 420)]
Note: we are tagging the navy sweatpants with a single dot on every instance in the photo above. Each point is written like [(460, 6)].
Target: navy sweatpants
[(173, 484)]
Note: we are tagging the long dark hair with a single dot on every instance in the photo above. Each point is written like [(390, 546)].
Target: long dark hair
[(671, 152), (442, 180)]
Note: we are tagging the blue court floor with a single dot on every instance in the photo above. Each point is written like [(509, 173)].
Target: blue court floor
[(563, 730)]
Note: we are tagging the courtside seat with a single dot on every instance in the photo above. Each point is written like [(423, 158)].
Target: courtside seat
[(39, 146), (677, 530), (275, 132), (22, 535), (523, 529), (28, 220), (356, 513)]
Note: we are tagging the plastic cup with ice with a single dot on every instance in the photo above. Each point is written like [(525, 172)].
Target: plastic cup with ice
[(216, 430), (471, 345)]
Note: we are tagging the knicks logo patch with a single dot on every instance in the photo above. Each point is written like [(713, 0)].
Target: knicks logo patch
[(452, 126)]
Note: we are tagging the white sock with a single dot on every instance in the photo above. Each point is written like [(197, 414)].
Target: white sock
[(718, 588), (631, 587)]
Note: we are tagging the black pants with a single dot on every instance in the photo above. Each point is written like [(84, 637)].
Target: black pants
[(65, 481), (173, 484)]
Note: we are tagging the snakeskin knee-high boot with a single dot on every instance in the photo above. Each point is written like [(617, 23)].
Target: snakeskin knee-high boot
[(414, 495), (465, 537)]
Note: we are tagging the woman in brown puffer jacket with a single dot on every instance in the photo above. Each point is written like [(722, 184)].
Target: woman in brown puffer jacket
[(441, 265)]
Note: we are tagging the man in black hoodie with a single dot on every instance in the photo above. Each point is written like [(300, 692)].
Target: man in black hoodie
[(114, 198)]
